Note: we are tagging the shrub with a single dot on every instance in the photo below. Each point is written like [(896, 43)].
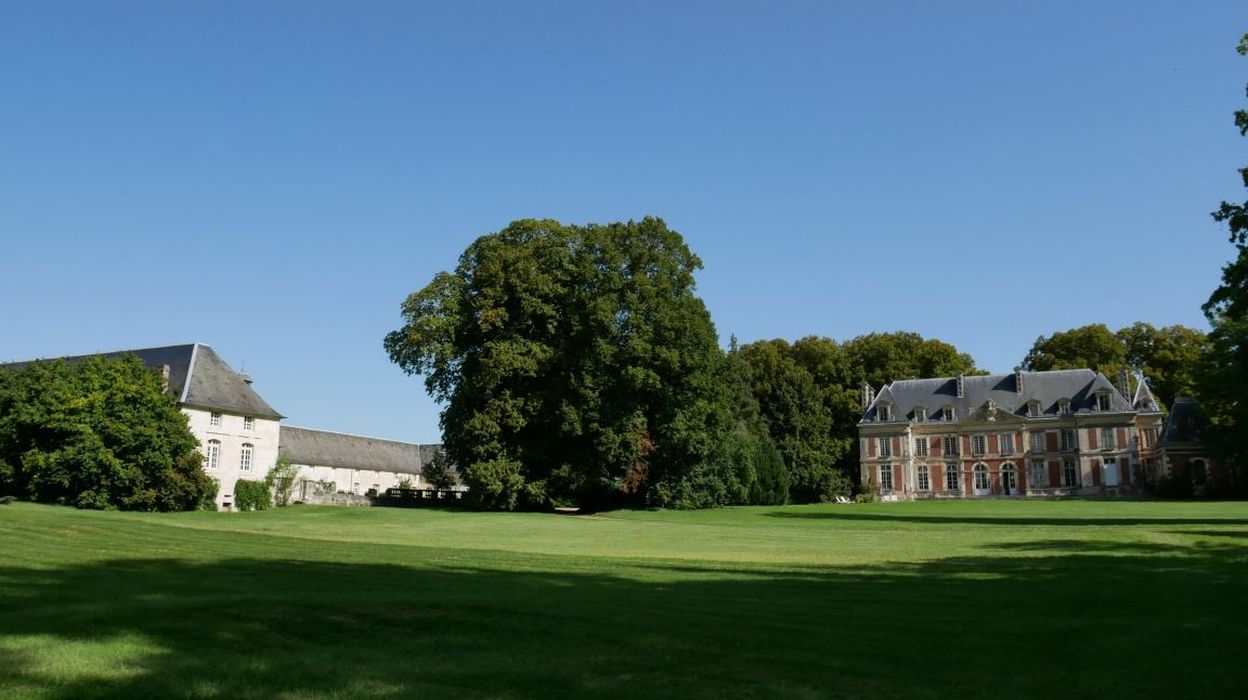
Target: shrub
[(496, 483), (281, 480), (208, 501), (252, 495), (6, 500)]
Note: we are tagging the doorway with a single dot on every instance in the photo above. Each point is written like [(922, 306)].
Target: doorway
[(1009, 480), (982, 487)]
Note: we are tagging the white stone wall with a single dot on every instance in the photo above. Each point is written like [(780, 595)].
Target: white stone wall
[(357, 481), (263, 437)]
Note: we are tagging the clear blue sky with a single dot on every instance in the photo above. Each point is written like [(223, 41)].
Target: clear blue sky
[(273, 178)]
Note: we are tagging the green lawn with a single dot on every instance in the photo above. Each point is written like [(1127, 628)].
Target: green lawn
[(968, 599)]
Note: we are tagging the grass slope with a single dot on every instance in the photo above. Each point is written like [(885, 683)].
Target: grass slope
[(973, 599)]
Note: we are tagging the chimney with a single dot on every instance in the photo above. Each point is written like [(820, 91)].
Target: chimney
[(961, 386), (1124, 384), (245, 377), (1018, 380), (868, 395), (164, 375)]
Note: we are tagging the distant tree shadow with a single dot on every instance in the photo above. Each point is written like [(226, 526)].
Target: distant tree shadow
[(1115, 621)]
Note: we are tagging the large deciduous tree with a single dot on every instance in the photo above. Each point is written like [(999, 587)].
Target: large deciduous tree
[(100, 433), (575, 364), (1222, 376), (1094, 347)]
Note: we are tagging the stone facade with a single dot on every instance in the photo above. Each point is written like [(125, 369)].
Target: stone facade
[(1026, 434)]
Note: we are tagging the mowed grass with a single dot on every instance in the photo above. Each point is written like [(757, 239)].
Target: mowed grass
[(963, 599)]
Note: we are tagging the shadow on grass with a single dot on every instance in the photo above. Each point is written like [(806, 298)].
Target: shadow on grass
[(1106, 623), (849, 513)]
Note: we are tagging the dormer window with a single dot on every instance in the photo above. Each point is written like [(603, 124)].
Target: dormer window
[(920, 415), (884, 412), (946, 413), (1063, 407), (1102, 401), (1033, 408)]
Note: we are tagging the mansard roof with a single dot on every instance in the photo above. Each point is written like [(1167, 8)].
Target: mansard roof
[(322, 448), (1187, 422), (1079, 386), (198, 377)]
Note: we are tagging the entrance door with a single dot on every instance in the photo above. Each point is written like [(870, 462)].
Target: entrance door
[(982, 487), (1111, 471), (1009, 481)]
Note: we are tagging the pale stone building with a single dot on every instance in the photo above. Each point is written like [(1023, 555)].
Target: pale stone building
[(240, 434)]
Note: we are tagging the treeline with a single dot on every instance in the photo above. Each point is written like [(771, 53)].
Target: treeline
[(98, 433), (578, 367)]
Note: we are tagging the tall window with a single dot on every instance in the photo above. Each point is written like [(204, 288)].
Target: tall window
[(920, 446), (951, 444), (1038, 477), (981, 477), (1006, 443), (212, 454), (925, 482), (886, 446), (1107, 438), (978, 443), (952, 480), (1037, 442), (249, 423), (244, 457), (214, 420), (1070, 473), (886, 477), (1069, 442)]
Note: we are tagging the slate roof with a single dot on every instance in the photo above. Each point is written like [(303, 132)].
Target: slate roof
[(1077, 385), (198, 377), (1187, 422), (322, 448)]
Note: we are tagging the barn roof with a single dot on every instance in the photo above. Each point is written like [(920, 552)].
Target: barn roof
[(322, 448)]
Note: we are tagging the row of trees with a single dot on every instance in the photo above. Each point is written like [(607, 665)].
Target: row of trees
[(100, 433), (577, 366)]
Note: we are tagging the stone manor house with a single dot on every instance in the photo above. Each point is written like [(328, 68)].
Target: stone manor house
[(241, 435), (1070, 432)]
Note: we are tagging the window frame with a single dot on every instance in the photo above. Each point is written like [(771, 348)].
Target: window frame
[(1109, 438), (924, 478), (979, 445), (1005, 444), (246, 456), (1038, 467), (1071, 445), (212, 455), (884, 446), (951, 440), (249, 423), (214, 419), (953, 477), (920, 447), (1070, 467), (886, 478), (1038, 438)]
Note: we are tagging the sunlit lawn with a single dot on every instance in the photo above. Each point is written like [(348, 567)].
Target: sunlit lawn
[(968, 599)]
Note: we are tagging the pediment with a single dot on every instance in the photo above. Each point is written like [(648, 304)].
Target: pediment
[(992, 413)]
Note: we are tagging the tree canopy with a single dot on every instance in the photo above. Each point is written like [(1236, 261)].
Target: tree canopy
[(1222, 375), (576, 364), (808, 393), (1167, 356), (99, 433)]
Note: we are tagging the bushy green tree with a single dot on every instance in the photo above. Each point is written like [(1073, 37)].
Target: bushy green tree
[(99, 433), (808, 394), (574, 363), (1222, 374), (1167, 356), (439, 472)]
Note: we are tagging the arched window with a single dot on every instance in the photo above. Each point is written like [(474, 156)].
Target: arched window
[(1009, 478), (212, 454), (925, 481), (244, 457), (981, 478)]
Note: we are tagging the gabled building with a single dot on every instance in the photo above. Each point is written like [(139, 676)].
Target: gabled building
[(1183, 452), (241, 436), (1023, 434)]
